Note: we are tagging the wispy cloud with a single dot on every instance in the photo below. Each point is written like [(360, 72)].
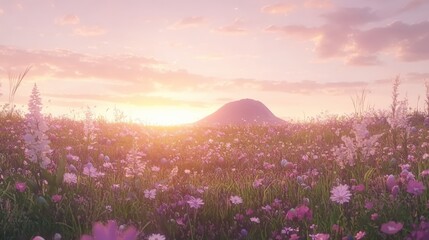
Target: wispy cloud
[(189, 22), (89, 31), (237, 27), (69, 19), (279, 8)]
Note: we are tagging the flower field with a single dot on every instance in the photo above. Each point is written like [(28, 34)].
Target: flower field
[(343, 178)]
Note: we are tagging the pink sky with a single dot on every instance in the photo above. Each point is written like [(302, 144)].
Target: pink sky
[(177, 61)]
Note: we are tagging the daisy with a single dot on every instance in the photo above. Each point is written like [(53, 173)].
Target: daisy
[(341, 194), (156, 236)]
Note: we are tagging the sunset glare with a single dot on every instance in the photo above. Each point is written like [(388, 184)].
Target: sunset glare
[(173, 62)]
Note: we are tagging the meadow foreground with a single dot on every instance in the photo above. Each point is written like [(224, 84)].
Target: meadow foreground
[(342, 178)]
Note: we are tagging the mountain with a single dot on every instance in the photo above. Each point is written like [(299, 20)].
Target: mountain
[(244, 111)]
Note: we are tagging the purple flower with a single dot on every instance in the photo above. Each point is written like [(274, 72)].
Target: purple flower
[(391, 227), (20, 186), (56, 198), (390, 182), (110, 232), (195, 202), (415, 187)]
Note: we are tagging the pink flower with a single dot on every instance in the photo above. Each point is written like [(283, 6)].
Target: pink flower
[(424, 173), (110, 232), (341, 194), (358, 188), (391, 227), (360, 235), (415, 187), (38, 238), (56, 198), (369, 205), (255, 219), (320, 236), (20, 186), (374, 216), (236, 200), (257, 183)]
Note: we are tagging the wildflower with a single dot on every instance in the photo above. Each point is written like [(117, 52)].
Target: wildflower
[(360, 235), (390, 182), (391, 227), (156, 236), (150, 194), (415, 187), (257, 183), (341, 194), (56, 198), (20, 186), (236, 200), (38, 238), (70, 178), (255, 220), (36, 141), (369, 205), (90, 171), (110, 232), (358, 188), (243, 232), (320, 236), (195, 202), (57, 236), (374, 216)]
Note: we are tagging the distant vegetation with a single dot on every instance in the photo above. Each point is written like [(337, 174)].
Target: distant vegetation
[(354, 177)]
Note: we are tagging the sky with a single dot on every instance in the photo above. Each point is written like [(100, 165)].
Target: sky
[(169, 62)]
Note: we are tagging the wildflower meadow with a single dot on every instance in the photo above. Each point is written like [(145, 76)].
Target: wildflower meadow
[(363, 176)]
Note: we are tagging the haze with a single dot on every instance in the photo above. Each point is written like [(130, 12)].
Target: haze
[(169, 62)]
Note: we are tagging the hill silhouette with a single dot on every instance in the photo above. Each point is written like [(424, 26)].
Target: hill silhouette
[(244, 111)]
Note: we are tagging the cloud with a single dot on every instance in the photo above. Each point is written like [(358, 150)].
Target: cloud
[(301, 87), (1, 11), (119, 73), (278, 8), (69, 19), (284, 8), (408, 41), (318, 4), (412, 5), (345, 34), (189, 22), (237, 27), (129, 99), (351, 16), (89, 31)]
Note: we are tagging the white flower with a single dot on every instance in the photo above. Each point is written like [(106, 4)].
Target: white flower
[(36, 141), (70, 178)]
